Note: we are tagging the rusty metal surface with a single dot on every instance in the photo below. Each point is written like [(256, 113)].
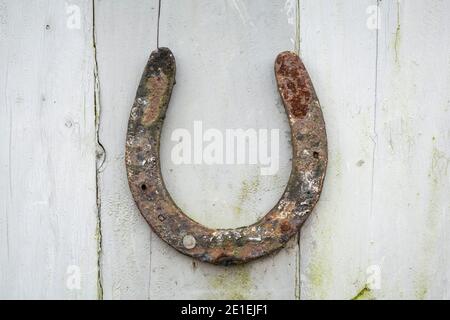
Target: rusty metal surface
[(226, 246)]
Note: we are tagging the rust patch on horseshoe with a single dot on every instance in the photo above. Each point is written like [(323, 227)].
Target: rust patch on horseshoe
[(226, 246)]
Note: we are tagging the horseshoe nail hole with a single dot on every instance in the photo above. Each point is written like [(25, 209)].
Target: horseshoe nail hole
[(316, 155), (143, 187), (189, 241)]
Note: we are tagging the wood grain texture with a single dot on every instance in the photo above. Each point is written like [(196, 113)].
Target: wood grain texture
[(340, 53), (48, 213), (125, 36), (380, 230), (225, 79), (410, 215)]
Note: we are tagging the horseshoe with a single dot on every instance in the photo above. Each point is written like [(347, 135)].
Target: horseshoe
[(226, 246)]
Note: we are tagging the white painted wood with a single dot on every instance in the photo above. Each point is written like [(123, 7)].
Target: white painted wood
[(380, 232), (383, 217), (48, 213), (410, 218), (224, 78), (126, 34), (339, 51)]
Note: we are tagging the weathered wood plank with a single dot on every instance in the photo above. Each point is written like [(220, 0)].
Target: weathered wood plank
[(388, 238), (225, 53), (48, 213), (410, 216), (385, 96), (338, 45)]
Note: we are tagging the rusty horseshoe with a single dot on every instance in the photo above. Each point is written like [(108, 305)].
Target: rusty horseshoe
[(226, 246)]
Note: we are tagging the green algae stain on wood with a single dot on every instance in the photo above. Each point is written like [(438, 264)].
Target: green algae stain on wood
[(318, 271), (437, 176), (421, 287), (234, 283), (318, 277), (438, 184)]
